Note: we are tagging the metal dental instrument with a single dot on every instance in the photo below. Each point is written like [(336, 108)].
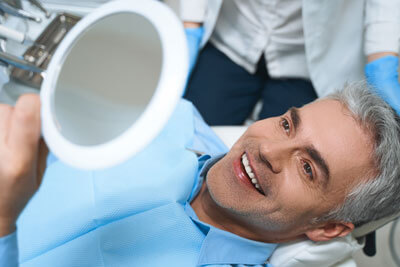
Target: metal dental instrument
[(9, 59), (15, 35), (5, 7), (15, 3), (41, 52), (40, 6)]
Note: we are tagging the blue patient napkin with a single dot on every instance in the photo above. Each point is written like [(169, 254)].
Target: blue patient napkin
[(129, 215)]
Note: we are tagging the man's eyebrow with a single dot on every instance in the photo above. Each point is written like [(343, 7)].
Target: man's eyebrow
[(319, 160), (295, 117), (311, 151)]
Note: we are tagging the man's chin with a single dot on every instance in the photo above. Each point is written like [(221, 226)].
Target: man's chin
[(231, 205)]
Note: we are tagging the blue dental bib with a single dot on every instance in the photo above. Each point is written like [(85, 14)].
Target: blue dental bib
[(129, 215)]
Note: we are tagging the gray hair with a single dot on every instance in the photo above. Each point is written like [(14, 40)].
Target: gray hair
[(379, 195)]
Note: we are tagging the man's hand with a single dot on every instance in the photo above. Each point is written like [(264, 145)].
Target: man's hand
[(382, 74), (19, 158), (194, 33)]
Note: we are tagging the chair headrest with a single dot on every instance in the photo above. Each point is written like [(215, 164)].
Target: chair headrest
[(372, 226)]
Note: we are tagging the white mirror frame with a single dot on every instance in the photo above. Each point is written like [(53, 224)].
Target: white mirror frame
[(170, 88)]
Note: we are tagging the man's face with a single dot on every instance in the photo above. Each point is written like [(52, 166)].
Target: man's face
[(305, 162)]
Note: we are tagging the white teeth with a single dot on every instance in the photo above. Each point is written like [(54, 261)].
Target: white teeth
[(249, 171)]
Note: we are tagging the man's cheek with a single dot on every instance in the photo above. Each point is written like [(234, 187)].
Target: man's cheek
[(238, 144), (291, 195)]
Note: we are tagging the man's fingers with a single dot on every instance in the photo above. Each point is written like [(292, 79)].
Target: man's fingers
[(24, 133), (5, 113), (42, 161), (18, 170)]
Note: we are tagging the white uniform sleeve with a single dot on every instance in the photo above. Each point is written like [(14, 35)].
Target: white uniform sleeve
[(193, 10), (382, 26)]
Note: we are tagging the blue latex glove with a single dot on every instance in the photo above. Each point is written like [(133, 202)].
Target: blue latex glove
[(383, 75), (193, 36)]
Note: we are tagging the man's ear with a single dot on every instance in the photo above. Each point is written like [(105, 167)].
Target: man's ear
[(330, 230)]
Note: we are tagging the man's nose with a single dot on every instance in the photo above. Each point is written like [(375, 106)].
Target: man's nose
[(274, 154)]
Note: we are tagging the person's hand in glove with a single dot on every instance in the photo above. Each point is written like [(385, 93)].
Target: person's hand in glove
[(382, 74), (194, 34)]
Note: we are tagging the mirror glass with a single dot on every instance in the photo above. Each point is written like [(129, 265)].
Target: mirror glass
[(108, 77)]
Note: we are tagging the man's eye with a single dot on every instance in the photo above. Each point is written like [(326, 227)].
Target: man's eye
[(285, 124), (308, 170)]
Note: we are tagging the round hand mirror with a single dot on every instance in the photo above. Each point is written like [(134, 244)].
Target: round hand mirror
[(113, 83)]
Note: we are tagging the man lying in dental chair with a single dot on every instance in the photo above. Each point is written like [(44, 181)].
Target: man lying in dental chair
[(316, 172)]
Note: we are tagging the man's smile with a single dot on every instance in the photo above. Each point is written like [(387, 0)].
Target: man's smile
[(245, 173)]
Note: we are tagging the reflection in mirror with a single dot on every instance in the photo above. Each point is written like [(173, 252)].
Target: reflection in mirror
[(107, 79)]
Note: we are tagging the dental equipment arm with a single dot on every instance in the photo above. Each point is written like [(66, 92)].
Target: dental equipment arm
[(382, 74)]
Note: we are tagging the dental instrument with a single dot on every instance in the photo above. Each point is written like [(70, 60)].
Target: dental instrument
[(42, 50), (15, 3), (40, 6), (15, 35), (9, 59), (9, 9)]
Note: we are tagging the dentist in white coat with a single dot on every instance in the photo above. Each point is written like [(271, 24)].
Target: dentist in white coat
[(325, 42)]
